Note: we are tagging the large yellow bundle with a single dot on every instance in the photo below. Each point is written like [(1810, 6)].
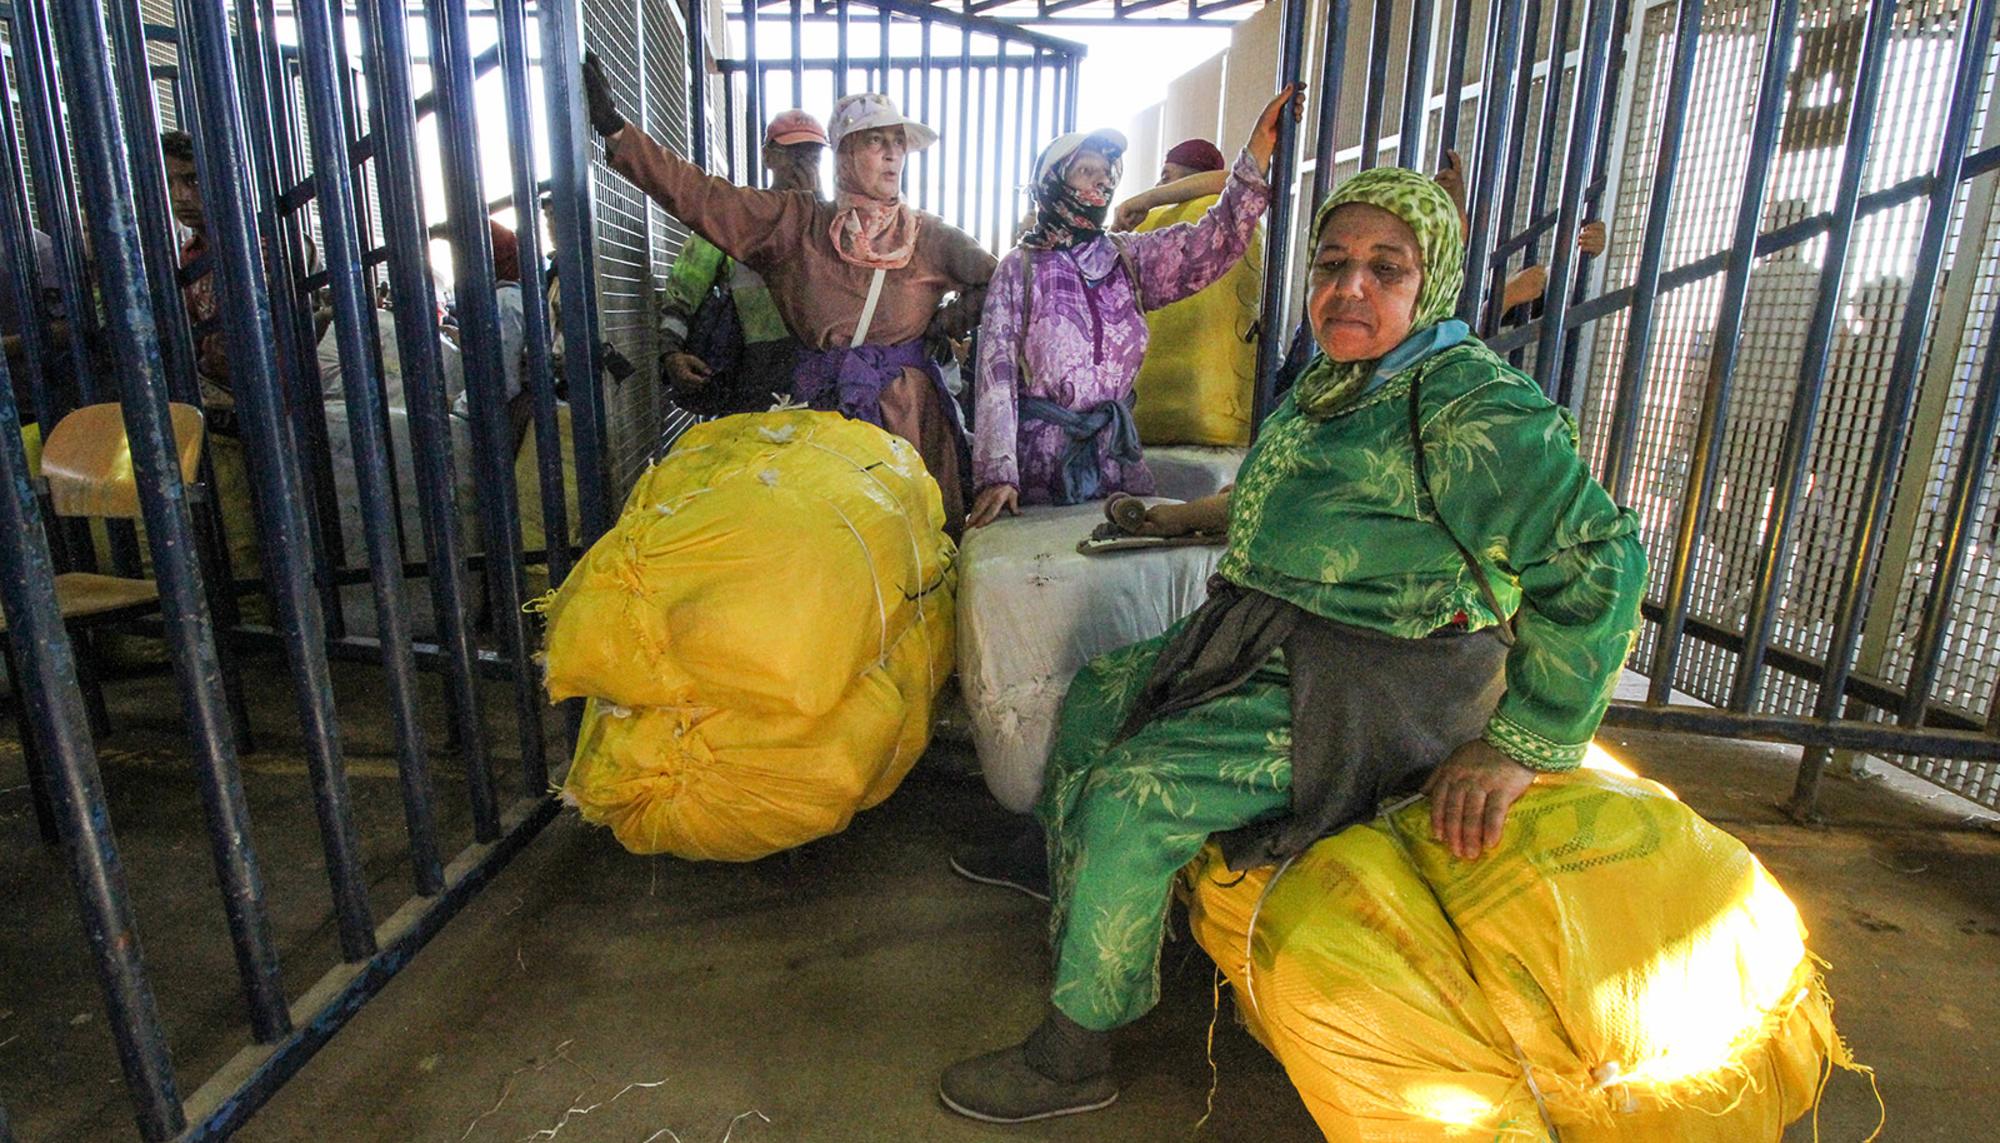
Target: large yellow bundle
[(1195, 384), (762, 631), (1638, 963)]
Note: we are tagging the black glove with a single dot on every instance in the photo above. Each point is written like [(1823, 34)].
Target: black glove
[(604, 117)]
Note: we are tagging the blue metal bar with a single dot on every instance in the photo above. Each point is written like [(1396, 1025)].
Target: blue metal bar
[(1070, 78), (1706, 460), (1376, 93), (697, 48), (840, 52), (576, 261), (1803, 730), (924, 88), (1517, 140), (1278, 230), (219, 1111), (798, 50), (1416, 87), (22, 279), (385, 25), (729, 120), (1454, 77), (1974, 41), (363, 388), (753, 102), (536, 372), (1552, 89), (1497, 93), (1332, 72), (882, 24), (1625, 413), (1796, 452), (1585, 110), (1571, 392), (962, 143), (55, 720)]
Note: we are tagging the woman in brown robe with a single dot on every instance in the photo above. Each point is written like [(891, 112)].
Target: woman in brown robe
[(861, 280)]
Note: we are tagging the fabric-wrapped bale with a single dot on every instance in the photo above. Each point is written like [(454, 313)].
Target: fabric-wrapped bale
[(1201, 352), (1618, 968), (762, 632)]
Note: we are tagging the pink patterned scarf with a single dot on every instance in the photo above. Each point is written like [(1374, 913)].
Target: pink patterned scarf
[(874, 233)]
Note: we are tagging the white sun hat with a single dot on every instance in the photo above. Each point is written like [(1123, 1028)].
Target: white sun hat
[(1065, 145), (867, 110)]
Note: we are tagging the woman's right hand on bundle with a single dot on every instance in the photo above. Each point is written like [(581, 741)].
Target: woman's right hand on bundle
[(604, 116), (993, 500)]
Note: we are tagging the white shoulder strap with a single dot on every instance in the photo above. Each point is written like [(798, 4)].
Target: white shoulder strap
[(868, 310)]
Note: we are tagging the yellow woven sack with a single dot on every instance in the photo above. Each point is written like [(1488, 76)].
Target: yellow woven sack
[(1637, 962), (1194, 386), (720, 784), (767, 562)]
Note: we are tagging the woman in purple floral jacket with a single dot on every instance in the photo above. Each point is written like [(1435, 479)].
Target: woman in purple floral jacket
[(1064, 328)]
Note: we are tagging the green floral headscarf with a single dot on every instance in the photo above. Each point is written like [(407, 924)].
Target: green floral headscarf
[(1423, 205)]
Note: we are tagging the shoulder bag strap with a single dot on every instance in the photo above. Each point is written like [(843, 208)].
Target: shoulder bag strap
[(1506, 627)]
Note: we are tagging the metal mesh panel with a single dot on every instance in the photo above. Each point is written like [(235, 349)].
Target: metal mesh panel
[(1783, 290)]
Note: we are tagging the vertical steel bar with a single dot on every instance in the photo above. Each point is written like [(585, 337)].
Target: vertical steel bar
[(1375, 94), (1454, 77), (237, 255), (1496, 96), (963, 143), (535, 317), (1545, 149), (1974, 41), (569, 153), (485, 377), (1706, 460), (841, 59), (798, 53), (1623, 436), (729, 123), (1071, 75), (351, 303), (385, 31), (18, 267), (979, 193), (1796, 453), (1023, 157), (753, 97), (1571, 392), (60, 726), (1585, 111), (924, 88), (1416, 87), (1284, 202), (1332, 73), (106, 186), (697, 49), (1517, 139), (882, 27)]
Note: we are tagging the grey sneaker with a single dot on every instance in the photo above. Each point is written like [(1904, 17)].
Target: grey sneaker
[(1001, 1087), (1020, 863)]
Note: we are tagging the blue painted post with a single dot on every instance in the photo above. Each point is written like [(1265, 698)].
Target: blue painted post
[(1796, 452), (840, 64), (1278, 231), (1585, 110), (1510, 189), (334, 181), (1332, 72), (1416, 88), (485, 377), (536, 374), (1497, 93), (697, 48), (1627, 406), (1741, 253), (753, 102), (1975, 40), (569, 154), (59, 725), (1454, 76), (924, 88), (19, 276), (1375, 94), (385, 33)]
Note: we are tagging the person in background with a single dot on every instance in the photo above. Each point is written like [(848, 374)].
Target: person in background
[(1423, 590), (724, 347), (1064, 329), (1526, 285), (45, 295), (861, 281)]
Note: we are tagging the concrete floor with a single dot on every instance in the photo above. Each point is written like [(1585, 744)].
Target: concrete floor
[(592, 995)]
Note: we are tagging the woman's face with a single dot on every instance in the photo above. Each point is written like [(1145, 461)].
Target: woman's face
[(1362, 291), (1091, 176), (877, 160)]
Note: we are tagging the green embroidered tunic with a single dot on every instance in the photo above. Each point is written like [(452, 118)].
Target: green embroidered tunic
[(1327, 515)]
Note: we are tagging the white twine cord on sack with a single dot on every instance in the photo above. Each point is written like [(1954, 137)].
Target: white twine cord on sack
[(1249, 962), (916, 553)]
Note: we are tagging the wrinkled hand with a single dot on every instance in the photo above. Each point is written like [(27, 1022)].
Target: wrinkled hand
[(1470, 796), (685, 372), (1264, 137), (987, 506), (604, 116), (1130, 213), (1591, 240)]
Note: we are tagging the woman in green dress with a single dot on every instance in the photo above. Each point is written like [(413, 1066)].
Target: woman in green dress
[(1424, 590)]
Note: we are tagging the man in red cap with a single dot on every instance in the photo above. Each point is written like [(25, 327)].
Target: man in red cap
[(723, 346)]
